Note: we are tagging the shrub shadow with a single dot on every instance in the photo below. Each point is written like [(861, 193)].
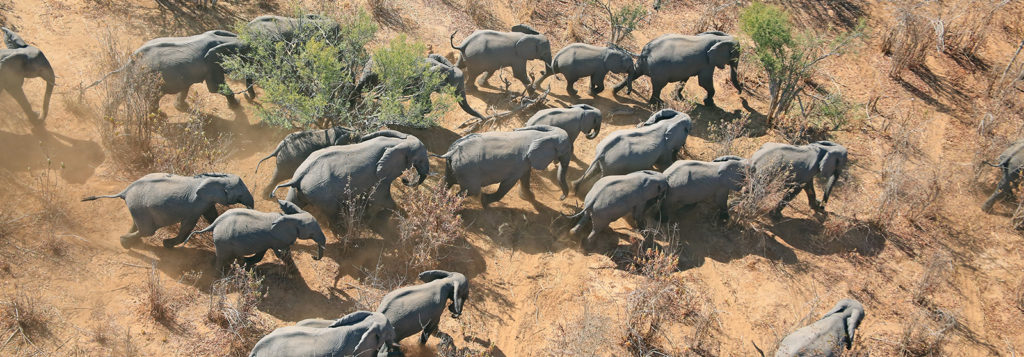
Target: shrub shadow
[(76, 160)]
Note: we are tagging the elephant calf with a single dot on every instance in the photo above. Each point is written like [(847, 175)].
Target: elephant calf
[(580, 60), (478, 160), (576, 119), (361, 333), (159, 200), (655, 142), (297, 146), (240, 232), (616, 196), (799, 165), (691, 181), (825, 337), (419, 307), (1010, 163), (20, 61)]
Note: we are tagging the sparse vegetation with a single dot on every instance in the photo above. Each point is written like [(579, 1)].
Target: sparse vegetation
[(159, 301), (581, 334), (48, 189), (909, 40), (925, 333), (936, 271), (240, 325), (430, 225), (762, 192), (724, 133), (622, 20), (24, 314)]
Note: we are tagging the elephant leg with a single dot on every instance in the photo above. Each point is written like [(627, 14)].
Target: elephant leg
[(222, 262), (597, 83), (19, 96), (597, 227), (211, 214), (255, 258), (250, 91), (214, 83), (429, 329), (581, 223), (131, 239), (186, 228), (180, 103), (706, 81), (524, 186), (519, 71), (790, 194), (1002, 190), (569, 82), (483, 78), (472, 75), (626, 83), (656, 87), (503, 189), (722, 203), (285, 254), (638, 217), (812, 198)]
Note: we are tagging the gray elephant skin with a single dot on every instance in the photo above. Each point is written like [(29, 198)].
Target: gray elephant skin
[(364, 169), (417, 308), (655, 142), (1010, 163), (579, 60), (242, 232), (161, 199), (486, 51), (692, 182), (18, 62), (184, 61), (297, 146), (478, 160), (450, 75), (801, 164), (576, 119), (676, 58), (360, 333), (616, 196), (825, 337)]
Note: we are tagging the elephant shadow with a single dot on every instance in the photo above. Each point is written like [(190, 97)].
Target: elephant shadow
[(809, 235), (75, 160), (518, 228), (181, 17)]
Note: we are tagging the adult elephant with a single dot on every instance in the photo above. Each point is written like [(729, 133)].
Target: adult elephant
[(160, 199), (797, 166), (331, 176), (676, 58), (828, 336), (183, 61), (20, 61), (692, 181), (655, 142), (361, 333), (616, 196), (575, 119), (418, 308), (579, 60), (450, 75), (478, 160), (297, 146), (1010, 164), (486, 51)]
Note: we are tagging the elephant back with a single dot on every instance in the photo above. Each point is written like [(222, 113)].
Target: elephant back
[(1013, 157)]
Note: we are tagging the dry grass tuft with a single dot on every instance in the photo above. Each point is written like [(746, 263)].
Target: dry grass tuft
[(909, 40), (581, 334), (936, 273), (430, 225), (480, 12), (715, 15), (48, 189), (159, 300), (376, 283), (26, 314), (761, 194), (925, 333), (240, 326), (351, 221)]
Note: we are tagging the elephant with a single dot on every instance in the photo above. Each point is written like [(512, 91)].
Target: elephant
[(419, 307), (365, 169), (478, 160), (240, 232), (655, 142), (161, 199), (576, 119), (801, 164), (184, 61), (580, 60), (676, 58), (1010, 162), (615, 196), (297, 146), (286, 29), (361, 333), (450, 75), (825, 337), (18, 62), (692, 181), (486, 51)]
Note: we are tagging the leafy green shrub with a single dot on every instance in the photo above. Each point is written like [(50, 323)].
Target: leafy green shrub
[(309, 81), (624, 20)]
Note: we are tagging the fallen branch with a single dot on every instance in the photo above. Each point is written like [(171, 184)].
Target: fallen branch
[(527, 102)]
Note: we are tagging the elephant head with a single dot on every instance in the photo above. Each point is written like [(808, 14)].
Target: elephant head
[(658, 116), (725, 51), (547, 148), (456, 288), (340, 136), (590, 121), (302, 224), (409, 153), (535, 46), (733, 169), (379, 331), (831, 161), (31, 63), (617, 60), (852, 313), (653, 187), (225, 189)]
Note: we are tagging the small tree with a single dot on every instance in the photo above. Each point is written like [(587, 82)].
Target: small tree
[(624, 20), (789, 60)]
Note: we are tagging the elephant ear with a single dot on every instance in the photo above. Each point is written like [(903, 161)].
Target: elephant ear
[(213, 190), (285, 223), (440, 59), (12, 39), (852, 322), (720, 54), (370, 340), (351, 319), (431, 275), (829, 162), (387, 166), (289, 207), (681, 128), (524, 28), (217, 53), (541, 153)]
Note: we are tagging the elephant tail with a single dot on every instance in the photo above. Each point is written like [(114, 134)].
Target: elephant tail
[(451, 42), (991, 164), (108, 75), (272, 154), (292, 183), (93, 198), (577, 215), (204, 230), (594, 165)]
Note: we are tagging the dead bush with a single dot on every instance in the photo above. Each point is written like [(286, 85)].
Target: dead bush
[(376, 283), (55, 245), (715, 15), (351, 222), (480, 12), (659, 300), (925, 333), (25, 314), (430, 225), (911, 183), (936, 272), (910, 39), (1018, 296), (581, 334), (240, 325), (159, 300), (968, 25), (724, 133), (106, 329), (761, 194), (50, 191)]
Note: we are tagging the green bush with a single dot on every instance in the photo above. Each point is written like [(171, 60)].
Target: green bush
[(310, 81)]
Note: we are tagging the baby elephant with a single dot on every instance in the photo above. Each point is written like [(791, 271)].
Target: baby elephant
[(580, 60), (825, 337), (1010, 163), (478, 160), (159, 200), (419, 308), (692, 181), (360, 333), (615, 196), (240, 232), (579, 118), (297, 146)]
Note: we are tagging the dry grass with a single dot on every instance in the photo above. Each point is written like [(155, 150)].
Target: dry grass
[(581, 334), (480, 12), (925, 333), (25, 314), (240, 325), (761, 194), (968, 25), (1018, 296), (910, 39), (160, 303), (351, 222), (724, 133), (715, 15), (936, 273), (51, 194), (430, 226)]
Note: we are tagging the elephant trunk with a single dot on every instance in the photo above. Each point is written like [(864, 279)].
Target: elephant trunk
[(595, 131), (828, 188), (563, 167), (734, 77), (423, 171), (464, 104), (50, 79)]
